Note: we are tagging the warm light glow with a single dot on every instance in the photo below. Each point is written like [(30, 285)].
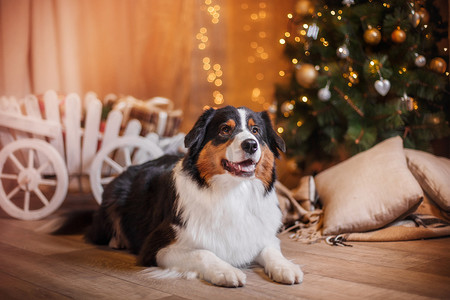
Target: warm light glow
[(282, 41), (218, 98), (305, 99), (287, 34), (289, 16), (256, 92), (326, 68), (280, 129), (281, 73), (294, 61), (299, 123)]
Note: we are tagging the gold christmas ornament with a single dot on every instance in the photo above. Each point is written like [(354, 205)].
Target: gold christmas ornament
[(372, 36), (304, 7), (438, 65), (398, 36), (306, 75), (424, 15), (414, 18)]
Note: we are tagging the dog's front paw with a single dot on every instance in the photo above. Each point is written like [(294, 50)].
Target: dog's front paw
[(284, 272), (226, 276)]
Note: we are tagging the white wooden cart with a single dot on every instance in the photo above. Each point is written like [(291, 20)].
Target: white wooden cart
[(46, 142)]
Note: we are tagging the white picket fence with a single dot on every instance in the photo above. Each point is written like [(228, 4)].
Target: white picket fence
[(45, 142)]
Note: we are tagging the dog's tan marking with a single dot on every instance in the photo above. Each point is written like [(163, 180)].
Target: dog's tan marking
[(251, 123), (264, 169), (209, 162)]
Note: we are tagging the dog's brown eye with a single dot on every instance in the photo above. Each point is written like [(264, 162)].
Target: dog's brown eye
[(225, 130), (255, 129)]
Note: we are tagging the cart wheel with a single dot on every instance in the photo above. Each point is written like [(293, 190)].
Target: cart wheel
[(116, 157), (33, 179)]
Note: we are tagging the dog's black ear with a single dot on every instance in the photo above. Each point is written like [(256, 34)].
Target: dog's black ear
[(275, 141), (195, 137)]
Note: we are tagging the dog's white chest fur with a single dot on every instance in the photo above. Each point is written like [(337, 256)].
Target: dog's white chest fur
[(233, 218)]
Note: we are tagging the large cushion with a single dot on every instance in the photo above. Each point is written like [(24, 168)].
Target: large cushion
[(368, 190), (433, 174)]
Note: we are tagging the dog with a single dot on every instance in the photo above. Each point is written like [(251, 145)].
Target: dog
[(210, 212)]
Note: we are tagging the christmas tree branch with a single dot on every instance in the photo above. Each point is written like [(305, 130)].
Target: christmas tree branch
[(349, 101)]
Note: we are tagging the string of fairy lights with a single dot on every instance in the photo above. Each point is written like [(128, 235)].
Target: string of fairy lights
[(213, 70), (254, 22)]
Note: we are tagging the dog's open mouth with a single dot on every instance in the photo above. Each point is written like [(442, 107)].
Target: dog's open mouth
[(244, 168)]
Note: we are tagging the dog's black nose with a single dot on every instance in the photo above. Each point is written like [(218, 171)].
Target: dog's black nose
[(250, 146)]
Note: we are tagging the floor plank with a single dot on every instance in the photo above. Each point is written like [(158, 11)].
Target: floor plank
[(35, 265)]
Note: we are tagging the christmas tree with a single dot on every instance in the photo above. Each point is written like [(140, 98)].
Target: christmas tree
[(361, 72)]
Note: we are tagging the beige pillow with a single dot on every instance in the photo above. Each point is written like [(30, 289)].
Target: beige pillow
[(433, 174), (368, 190)]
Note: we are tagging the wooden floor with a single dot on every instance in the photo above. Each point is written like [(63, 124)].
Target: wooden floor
[(39, 266)]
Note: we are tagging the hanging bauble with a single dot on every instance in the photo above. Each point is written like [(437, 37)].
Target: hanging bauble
[(342, 51), (313, 31), (424, 15), (324, 94), (420, 60), (382, 86), (438, 65), (372, 36), (398, 36), (408, 102), (414, 18), (306, 75), (304, 7), (348, 2)]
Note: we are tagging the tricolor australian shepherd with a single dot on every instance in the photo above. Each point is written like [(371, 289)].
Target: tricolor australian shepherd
[(209, 212)]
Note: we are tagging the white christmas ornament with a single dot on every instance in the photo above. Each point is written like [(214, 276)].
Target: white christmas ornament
[(408, 101), (313, 31), (342, 51), (324, 94), (420, 60), (382, 86), (348, 2)]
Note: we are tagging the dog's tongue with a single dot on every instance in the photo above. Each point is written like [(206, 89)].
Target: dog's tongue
[(245, 168)]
